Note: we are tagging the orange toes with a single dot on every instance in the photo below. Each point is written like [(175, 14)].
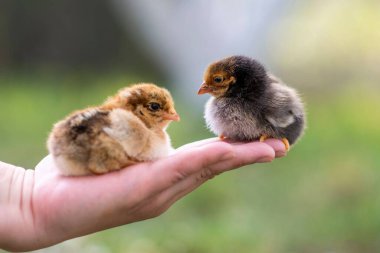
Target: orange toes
[(286, 142), (263, 137)]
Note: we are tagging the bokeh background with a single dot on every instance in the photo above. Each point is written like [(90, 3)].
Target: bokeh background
[(57, 56)]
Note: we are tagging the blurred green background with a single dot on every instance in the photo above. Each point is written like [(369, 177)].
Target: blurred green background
[(323, 197)]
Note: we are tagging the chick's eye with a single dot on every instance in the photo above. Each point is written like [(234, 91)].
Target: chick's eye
[(218, 79), (154, 106)]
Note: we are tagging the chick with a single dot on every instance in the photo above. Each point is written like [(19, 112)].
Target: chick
[(128, 128), (249, 103)]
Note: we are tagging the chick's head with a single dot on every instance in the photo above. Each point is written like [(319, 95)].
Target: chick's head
[(218, 78), (233, 75), (152, 104)]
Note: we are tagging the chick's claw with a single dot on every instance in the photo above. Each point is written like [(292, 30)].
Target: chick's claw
[(286, 143), (222, 137), (263, 137), (284, 140)]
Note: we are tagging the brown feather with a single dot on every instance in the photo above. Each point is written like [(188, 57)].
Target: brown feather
[(122, 131)]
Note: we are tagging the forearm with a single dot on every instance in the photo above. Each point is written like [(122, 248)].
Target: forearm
[(16, 219)]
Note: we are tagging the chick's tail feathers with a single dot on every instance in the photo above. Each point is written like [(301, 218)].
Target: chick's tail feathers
[(71, 140)]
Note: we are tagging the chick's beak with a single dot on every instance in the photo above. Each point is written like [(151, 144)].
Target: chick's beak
[(204, 89), (171, 116)]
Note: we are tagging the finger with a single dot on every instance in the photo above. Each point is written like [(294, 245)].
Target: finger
[(243, 154), (278, 146), (197, 143), (166, 172), (46, 166)]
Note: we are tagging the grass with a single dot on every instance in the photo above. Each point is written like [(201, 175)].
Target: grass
[(322, 197)]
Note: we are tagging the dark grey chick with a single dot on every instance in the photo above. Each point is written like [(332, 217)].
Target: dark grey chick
[(249, 103)]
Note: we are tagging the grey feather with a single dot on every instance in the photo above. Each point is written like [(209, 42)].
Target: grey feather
[(280, 115)]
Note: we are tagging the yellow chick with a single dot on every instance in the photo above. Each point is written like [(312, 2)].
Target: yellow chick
[(128, 128)]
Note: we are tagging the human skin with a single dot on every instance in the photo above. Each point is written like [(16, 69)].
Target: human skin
[(40, 207)]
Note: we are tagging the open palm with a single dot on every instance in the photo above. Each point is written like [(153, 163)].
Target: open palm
[(55, 208)]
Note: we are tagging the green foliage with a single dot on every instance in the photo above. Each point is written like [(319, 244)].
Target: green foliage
[(322, 197)]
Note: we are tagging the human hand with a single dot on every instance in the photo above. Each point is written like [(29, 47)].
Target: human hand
[(42, 208)]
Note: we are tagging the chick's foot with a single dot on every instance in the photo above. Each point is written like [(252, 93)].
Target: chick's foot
[(286, 143), (263, 137), (284, 140), (222, 137)]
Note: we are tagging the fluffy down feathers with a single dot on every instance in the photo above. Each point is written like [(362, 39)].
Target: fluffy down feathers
[(248, 102), (128, 128)]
